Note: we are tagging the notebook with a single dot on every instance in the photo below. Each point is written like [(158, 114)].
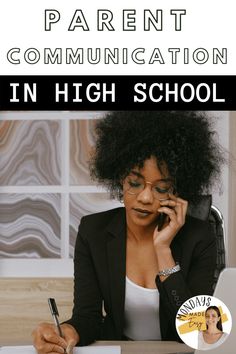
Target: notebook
[(29, 349)]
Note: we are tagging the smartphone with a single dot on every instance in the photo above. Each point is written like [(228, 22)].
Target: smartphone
[(162, 217), (161, 220)]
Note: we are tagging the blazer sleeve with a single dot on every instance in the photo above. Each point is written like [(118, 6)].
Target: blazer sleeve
[(197, 279), (87, 316)]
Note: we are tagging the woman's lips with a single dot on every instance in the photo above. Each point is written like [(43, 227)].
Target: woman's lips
[(143, 212)]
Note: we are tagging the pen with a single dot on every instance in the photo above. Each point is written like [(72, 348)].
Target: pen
[(54, 311)]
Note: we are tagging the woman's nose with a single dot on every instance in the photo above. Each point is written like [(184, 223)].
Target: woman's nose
[(146, 195)]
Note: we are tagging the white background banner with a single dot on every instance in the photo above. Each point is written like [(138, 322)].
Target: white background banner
[(174, 37)]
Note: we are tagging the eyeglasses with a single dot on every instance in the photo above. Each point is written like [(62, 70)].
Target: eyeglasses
[(160, 189)]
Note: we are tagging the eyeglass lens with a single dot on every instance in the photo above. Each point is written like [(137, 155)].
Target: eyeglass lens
[(160, 189)]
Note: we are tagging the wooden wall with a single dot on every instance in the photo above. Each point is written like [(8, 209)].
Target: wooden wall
[(23, 304)]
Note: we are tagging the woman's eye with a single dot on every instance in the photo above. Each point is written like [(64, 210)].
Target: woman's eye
[(162, 190), (134, 184)]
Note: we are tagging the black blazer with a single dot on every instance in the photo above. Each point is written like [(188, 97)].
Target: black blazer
[(100, 270)]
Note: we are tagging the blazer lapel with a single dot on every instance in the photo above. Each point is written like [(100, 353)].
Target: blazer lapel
[(116, 255)]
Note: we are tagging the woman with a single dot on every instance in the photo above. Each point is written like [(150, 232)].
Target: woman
[(144, 260), (213, 336)]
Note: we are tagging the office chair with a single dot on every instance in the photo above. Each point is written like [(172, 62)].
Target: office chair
[(217, 222), (206, 211)]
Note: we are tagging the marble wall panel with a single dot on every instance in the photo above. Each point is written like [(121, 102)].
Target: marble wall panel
[(30, 152), (83, 204), (82, 137), (30, 225)]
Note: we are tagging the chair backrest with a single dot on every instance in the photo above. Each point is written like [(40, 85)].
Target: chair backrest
[(204, 210), (217, 222)]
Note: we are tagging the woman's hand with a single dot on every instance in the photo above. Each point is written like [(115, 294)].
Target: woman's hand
[(47, 340), (175, 210)]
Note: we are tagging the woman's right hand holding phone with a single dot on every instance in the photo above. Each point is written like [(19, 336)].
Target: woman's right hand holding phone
[(47, 340), (175, 209)]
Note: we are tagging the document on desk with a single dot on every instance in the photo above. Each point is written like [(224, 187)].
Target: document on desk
[(29, 349)]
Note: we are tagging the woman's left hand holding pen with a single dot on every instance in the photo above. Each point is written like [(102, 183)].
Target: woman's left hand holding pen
[(47, 340)]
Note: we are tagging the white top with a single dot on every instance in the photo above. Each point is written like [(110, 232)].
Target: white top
[(204, 346), (141, 312)]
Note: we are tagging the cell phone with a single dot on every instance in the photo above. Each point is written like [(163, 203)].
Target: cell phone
[(161, 220)]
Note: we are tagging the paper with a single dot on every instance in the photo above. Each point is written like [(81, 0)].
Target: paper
[(29, 349)]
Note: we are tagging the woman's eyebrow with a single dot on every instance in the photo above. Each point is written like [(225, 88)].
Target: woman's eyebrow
[(138, 174)]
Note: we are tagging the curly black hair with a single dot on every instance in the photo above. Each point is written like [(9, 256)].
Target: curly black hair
[(183, 140)]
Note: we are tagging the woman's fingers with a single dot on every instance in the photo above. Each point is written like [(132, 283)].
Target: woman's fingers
[(71, 336), (69, 348), (171, 213), (55, 339), (184, 205), (175, 209), (46, 340), (52, 348), (177, 205)]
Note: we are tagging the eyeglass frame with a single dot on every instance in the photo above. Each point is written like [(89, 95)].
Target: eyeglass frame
[(170, 191)]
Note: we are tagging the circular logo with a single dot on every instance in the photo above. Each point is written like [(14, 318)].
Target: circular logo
[(203, 322)]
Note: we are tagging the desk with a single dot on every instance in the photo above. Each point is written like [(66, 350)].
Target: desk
[(135, 347), (23, 305)]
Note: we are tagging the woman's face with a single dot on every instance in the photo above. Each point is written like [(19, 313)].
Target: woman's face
[(142, 191), (212, 317)]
